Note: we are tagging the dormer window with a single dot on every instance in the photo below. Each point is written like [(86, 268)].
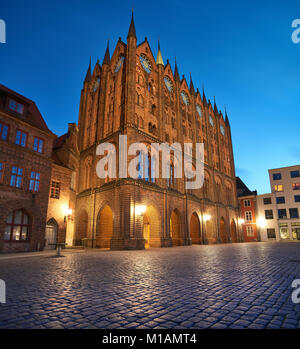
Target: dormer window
[(15, 106)]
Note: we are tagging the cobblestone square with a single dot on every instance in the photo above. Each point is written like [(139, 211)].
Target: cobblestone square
[(216, 286)]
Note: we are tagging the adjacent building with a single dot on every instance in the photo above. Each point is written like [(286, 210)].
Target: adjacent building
[(25, 170), (63, 185), (279, 211), (247, 204)]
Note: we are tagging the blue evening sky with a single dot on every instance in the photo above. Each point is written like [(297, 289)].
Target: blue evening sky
[(241, 51)]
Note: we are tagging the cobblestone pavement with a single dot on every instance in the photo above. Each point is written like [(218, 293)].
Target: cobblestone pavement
[(220, 286)]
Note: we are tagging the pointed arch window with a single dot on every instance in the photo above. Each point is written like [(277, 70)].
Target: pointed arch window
[(153, 109), (206, 187), (171, 181), (87, 173), (139, 100), (146, 167), (140, 166)]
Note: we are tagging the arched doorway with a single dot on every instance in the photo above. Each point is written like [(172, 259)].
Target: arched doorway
[(175, 232), (195, 232), (151, 227), (81, 227), (223, 234), (233, 231), (51, 234), (210, 230), (104, 227)]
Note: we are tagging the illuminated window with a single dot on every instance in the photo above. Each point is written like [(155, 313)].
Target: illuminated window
[(284, 231), (55, 190), (15, 106), (21, 138), (17, 226), (250, 231), (278, 187), (34, 183), (3, 131), (296, 186), (38, 145), (16, 177), (271, 233), (248, 216)]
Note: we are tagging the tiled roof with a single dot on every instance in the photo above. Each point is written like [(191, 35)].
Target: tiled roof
[(242, 189), (59, 141), (31, 116)]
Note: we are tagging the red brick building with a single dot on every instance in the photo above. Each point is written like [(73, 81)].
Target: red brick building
[(247, 203), (131, 93), (25, 168), (62, 194)]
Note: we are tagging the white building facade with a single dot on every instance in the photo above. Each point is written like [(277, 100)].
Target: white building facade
[(278, 212)]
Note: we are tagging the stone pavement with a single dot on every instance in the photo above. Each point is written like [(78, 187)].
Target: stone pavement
[(216, 286)]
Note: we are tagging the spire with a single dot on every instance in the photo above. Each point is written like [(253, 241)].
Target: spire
[(159, 59), (131, 31), (106, 59), (226, 118), (204, 97), (191, 84), (215, 107), (88, 76), (176, 74)]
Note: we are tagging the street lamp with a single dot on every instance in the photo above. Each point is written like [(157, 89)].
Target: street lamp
[(206, 217), (140, 209), (261, 222), (67, 212), (241, 221)]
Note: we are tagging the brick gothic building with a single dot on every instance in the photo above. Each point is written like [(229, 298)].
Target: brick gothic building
[(25, 169), (134, 94)]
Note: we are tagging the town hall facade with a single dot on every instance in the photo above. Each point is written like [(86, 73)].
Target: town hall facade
[(53, 194), (133, 94)]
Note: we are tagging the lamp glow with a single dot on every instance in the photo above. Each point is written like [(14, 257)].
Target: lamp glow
[(66, 210), (140, 209), (206, 217), (261, 222), (241, 221)]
